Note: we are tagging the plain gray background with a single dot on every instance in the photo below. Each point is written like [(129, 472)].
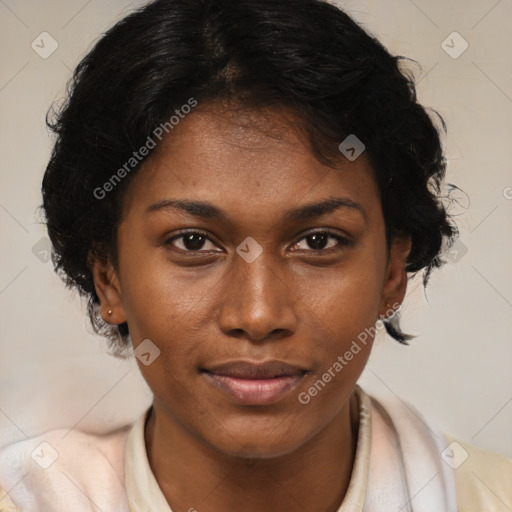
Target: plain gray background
[(55, 373)]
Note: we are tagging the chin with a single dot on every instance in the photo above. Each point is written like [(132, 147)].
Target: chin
[(248, 444)]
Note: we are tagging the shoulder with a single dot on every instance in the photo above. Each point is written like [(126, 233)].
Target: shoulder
[(44, 470), (483, 479)]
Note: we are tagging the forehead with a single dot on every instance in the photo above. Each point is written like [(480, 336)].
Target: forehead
[(253, 157)]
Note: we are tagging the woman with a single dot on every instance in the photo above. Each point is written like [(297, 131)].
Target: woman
[(241, 189)]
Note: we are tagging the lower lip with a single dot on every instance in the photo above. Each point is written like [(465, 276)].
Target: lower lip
[(255, 391)]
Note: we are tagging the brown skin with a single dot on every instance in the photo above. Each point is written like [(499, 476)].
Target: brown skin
[(293, 303)]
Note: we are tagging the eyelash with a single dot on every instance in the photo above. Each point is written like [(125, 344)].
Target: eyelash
[(342, 241)]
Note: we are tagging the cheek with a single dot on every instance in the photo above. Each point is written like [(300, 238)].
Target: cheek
[(343, 306), (168, 307), (345, 300), (343, 312), (160, 300)]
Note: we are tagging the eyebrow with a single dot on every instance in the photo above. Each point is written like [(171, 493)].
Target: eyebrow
[(208, 210)]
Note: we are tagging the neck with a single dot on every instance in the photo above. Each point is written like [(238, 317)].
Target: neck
[(193, 475)]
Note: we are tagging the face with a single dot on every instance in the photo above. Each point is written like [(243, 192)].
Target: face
[(252, 267)]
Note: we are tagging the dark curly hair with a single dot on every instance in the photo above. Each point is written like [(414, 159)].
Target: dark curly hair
[(306, 55)]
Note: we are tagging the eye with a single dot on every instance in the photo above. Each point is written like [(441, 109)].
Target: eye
[(191, 241), (322, 241), (319, 241)]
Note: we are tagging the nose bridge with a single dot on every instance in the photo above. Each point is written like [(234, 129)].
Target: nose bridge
[(258, 303)]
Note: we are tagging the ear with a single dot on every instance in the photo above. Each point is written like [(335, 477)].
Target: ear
[(395, 282), (108, 289)]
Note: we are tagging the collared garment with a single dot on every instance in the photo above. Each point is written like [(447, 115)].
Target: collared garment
[(402, 464)]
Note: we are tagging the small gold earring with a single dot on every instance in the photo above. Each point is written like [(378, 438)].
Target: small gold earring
[(109, 311)]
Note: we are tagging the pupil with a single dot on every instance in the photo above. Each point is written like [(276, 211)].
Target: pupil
[(317, 240), (193, 242)]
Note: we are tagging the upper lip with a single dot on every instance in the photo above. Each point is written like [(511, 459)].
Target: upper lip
[(255, 370)]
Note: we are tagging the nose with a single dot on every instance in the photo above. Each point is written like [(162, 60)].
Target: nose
[(258, 302)]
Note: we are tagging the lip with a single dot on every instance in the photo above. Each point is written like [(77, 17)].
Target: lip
[(255, 383)]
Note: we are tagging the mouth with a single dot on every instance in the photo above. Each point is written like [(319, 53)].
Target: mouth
[(249, 383)]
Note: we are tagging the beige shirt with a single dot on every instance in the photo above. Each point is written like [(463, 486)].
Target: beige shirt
[(483, 480)]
